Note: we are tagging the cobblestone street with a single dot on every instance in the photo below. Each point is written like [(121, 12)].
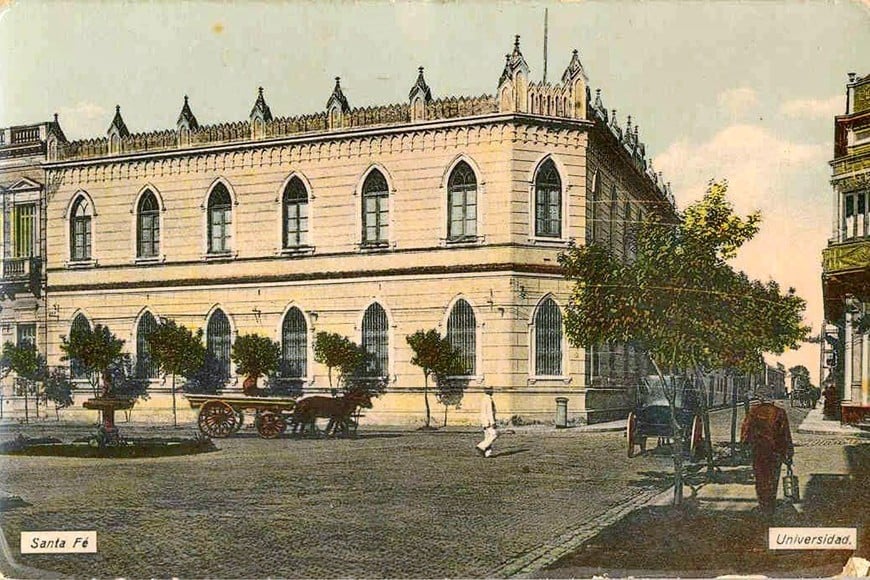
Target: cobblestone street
[(387, 504), (383, 505)]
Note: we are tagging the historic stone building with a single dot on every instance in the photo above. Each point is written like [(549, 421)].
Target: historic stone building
[(372, 222), (846, 279), (22, 312)]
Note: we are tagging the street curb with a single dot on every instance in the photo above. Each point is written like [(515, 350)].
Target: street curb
[(539, 558)]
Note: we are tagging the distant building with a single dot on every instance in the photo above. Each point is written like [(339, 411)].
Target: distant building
[(846, 277), (371, 222)]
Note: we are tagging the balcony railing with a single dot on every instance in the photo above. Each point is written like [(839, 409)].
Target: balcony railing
[(853, 255), (20, 268), (23, 134)]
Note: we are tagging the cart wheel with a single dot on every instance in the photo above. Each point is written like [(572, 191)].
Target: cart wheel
[(631, 433), (695, 443), (270, 425), (217, 419)]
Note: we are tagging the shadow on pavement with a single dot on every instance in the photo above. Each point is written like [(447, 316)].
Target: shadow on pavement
[(723, 535)]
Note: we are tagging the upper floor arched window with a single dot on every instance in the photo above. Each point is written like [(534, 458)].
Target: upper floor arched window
[(220, 219), (548, 339), (148, 226), (548, 201), (295, 207), (145, 366), (80, 230), (218, 338), (294, 345), (462, 334), (375, 340), (375, 209), (461, 203)]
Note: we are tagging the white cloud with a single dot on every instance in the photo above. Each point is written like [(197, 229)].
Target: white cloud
[(84, 120), (814, 108), (738, 102), (787, 181)]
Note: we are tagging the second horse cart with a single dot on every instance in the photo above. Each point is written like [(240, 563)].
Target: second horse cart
[(651, 416)]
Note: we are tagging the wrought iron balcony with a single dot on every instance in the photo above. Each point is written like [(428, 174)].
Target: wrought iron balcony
[(849, 256)]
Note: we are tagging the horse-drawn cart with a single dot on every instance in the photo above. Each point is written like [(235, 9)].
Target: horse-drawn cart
[(221, 416), (652, 414)]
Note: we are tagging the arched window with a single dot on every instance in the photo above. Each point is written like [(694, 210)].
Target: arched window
[(548, 339), (462, 334), (294, 345), (295, 214), (375, 209), (462, 203), (220, 219), (145, 367), (375, 341), (219, 340), (548, 201), (79, 324), (148, 226), (80, 230)]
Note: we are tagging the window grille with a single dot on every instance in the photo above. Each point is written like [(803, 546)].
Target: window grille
[(462, 334), (79, 324), (145, 367), (294, 338), (220, 217), (295, 214), (375, 210), (24, 234), (375, 340), (548, 201), (26, 335), (614, 199), (81, 230), (462, 203), (548, 339), (148, 230), (219, 340)]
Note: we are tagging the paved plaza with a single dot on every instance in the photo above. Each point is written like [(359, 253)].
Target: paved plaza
[(386, 504)]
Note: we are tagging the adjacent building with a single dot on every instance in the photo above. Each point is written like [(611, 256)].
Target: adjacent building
[(372, 222), (846, 260), (22, 190)]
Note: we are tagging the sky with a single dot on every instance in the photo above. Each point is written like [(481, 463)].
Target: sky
[(743, 91)]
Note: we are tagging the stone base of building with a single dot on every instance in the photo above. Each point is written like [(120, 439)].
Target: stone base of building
[(404, 408), (853, 413)]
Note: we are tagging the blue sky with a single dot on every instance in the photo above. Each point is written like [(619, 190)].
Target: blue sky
[(738, 90)]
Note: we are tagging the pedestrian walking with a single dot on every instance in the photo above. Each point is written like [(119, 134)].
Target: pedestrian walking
[(487, 421), (766, 430)]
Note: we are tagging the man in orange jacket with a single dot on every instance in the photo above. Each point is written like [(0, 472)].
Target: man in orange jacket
[(766, 430)]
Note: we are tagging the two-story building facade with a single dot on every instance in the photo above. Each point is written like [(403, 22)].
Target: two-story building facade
[(22, 312), (846, 260), (370, 222)]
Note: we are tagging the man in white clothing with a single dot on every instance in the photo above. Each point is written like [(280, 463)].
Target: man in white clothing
[(487, 421)]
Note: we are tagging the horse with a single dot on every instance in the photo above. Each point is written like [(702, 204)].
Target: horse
[(337, 409)]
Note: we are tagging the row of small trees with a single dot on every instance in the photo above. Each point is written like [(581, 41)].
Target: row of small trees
[(177, 351)]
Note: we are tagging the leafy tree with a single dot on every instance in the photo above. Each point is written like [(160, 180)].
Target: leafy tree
[(681, 301), (29, 368), (255, 356), (58, 389), (177, 351), (95, 350), (801, 376), (208, 379), (449, 391), (437, 357), (340, 353)]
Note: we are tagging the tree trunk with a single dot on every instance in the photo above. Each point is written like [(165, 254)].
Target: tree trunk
[(705, 420), (445, 415), (174, 412), (677, 449), (26, 408), (56, 412), (426, 397), (734, 418)]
